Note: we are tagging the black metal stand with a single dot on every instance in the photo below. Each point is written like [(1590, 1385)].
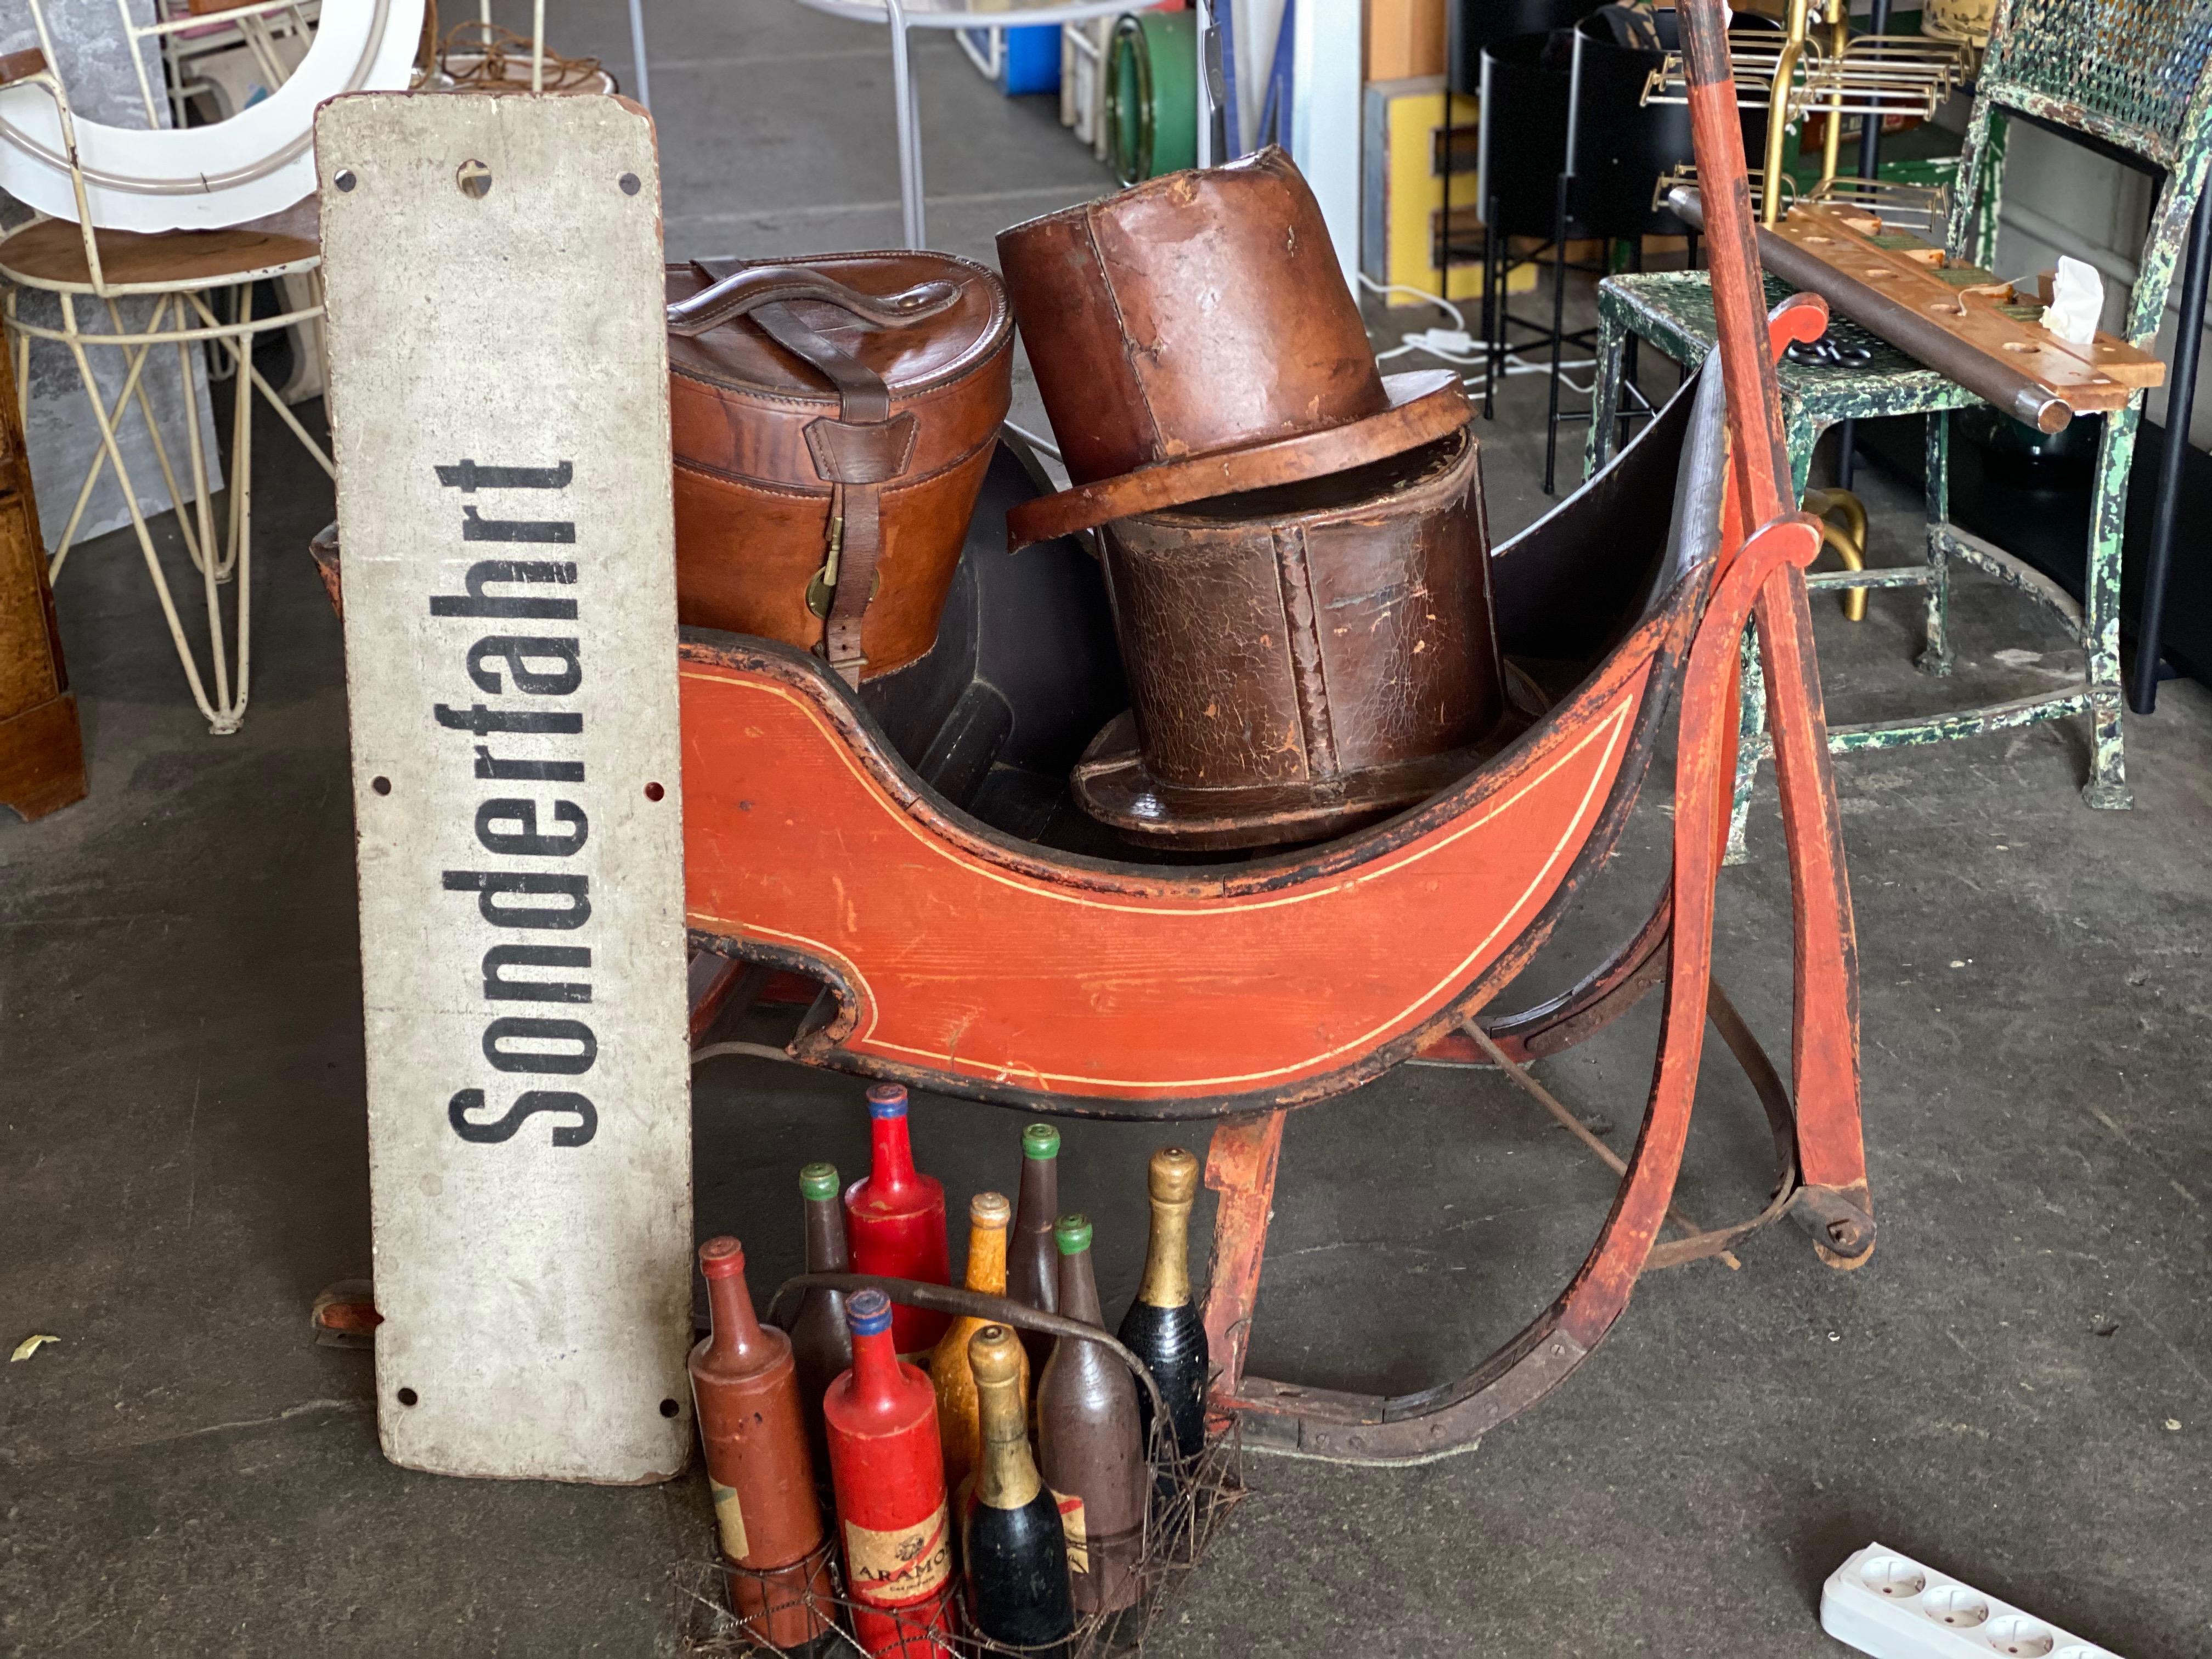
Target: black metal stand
[(2180, 400)]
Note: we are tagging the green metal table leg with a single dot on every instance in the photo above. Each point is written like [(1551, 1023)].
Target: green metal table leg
[(1605, 384), (2100, 611), (1751, 738), (1802, 433), (1936, 656)]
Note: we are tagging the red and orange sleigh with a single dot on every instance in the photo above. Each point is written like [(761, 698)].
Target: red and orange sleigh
[(911, 850)]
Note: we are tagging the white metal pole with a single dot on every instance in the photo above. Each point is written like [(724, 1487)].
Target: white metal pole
[(637, 52), (1325, 119), (910, 127)]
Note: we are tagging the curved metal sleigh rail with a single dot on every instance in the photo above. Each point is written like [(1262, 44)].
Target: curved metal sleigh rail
[(973, 962)]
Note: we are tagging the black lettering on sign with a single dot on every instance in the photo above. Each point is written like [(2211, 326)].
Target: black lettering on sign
[(526, 841), (468, 477), (511, 1029), (483, 721), (506, 572), (574, 891), (559, 672), (474, 529), (500, 987), (488, 765), (536, 1100), (511, 827)]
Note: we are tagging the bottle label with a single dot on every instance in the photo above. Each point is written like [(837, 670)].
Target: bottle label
[(1078, 1539), (901, 1564), (729, 1520)]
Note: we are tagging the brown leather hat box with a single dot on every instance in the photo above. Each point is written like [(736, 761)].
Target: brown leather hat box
[(1302, 660), (1193, 337), (1295, 545), (833, 419)]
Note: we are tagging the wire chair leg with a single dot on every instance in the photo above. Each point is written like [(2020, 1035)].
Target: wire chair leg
[(135, 364), (203, 504), (244, 363), (146, 412), (220, 721)]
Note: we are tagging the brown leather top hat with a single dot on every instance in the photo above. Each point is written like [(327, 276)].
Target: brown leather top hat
[(1303, 659), (1193, 337)]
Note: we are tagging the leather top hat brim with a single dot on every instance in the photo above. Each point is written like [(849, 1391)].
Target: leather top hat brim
[(1113, 784), (1425, 405)]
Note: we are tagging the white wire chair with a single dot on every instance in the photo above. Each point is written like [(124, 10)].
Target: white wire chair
[(204, 47), (182, 272)]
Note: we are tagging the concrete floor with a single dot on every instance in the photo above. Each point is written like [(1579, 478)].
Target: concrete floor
[(2018, 1389)]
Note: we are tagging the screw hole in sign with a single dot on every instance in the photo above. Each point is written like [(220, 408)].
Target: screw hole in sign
[(343, 179), (655, 792), (474, 179), (630, 182), (382, 785), (669, 1408), (409, 1397)]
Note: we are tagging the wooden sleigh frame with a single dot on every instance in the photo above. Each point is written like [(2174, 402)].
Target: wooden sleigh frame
[(966, 962)]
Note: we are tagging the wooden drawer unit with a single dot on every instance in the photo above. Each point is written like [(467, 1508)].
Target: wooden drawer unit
[(41, 754)]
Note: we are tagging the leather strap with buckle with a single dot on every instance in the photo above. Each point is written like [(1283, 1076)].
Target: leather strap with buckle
[(859, 452)]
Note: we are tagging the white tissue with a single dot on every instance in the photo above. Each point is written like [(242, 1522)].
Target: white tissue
[(2077, 301)]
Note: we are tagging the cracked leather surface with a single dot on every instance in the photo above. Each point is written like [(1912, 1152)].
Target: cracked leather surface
[(753, 427), (1306, 634)]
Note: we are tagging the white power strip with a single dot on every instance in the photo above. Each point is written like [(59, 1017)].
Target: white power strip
[(1891, 1607)]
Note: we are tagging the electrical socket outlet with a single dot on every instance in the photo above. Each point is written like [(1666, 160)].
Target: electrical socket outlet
[(1891, 1606)]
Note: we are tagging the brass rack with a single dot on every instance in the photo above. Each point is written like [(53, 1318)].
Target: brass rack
[(1869, 75)]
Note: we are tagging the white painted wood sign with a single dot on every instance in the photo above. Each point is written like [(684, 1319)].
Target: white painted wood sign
[(499, 398)]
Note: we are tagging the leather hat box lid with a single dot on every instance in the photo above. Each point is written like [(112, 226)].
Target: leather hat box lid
[(925, 367), (1196, 311), (1193, 336)]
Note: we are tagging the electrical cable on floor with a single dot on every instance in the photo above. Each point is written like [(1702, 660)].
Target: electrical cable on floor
[(1456, 346), (1458, 316)]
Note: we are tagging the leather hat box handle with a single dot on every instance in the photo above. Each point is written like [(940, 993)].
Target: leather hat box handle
[(858, 452), (747, 290)]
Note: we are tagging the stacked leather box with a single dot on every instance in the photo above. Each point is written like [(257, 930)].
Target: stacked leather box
[(1294, 542)]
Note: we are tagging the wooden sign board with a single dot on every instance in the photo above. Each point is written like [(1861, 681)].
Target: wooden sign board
[(499, 398)]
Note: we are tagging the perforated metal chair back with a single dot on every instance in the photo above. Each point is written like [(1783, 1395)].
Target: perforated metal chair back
[(2132, 73), (2128, 71)]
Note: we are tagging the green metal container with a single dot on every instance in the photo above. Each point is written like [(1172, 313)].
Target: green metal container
[(1151, 94)]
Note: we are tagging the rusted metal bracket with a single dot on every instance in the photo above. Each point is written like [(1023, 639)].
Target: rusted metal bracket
[(1838, 1220)]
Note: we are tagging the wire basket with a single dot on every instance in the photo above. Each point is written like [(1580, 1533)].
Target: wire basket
[(1190, 1499)]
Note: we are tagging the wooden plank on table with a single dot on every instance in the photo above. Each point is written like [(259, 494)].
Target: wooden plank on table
[(499, 417), (2101, 376)]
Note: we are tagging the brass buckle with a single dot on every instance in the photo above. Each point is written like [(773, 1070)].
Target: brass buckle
[(821, 590)]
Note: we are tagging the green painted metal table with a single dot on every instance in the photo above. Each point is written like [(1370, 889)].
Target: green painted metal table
[(1674, 310)]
